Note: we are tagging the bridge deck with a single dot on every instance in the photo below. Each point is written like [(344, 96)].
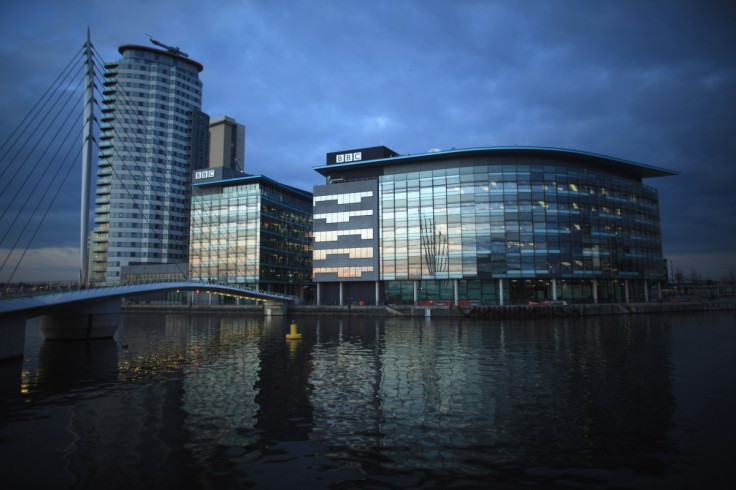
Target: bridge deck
[(39, 304)]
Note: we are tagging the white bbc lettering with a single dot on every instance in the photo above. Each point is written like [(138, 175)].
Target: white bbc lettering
[(204, 174), (349, 157)]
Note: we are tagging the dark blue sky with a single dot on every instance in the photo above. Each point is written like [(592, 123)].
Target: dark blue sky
[(652, 82)]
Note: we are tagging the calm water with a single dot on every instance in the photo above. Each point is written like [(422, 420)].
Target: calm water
[(178, 401)]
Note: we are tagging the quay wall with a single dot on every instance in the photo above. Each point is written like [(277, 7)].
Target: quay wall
[(480, 312)]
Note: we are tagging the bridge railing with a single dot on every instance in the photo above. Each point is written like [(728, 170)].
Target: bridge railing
[(24, 290)]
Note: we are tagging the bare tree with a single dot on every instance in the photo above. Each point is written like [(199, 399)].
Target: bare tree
[(679, 276), (694, 276)]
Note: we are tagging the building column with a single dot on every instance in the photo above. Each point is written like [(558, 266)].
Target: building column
[(595, 291), (340, 283), (319, 292), (659, 290), (626, 291), (455, 293), (500, 292), (415, 293), (377, 292), (554, 289), (646, 291)]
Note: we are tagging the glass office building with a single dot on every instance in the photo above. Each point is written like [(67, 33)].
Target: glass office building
[(485, 226), (252, 232)]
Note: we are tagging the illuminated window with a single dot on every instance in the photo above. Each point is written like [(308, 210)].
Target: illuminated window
[(347, 198), (343, 216)]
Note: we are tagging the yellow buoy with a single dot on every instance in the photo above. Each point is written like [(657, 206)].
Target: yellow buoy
[(293, 335)]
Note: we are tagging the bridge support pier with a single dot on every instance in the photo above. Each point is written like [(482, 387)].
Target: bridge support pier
[(273, 308), (99, 321), (12, 338), (70, 326)]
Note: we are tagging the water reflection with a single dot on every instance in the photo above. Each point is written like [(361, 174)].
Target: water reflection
[(228, 400), (219, 387), (459, 397), (75, 364)]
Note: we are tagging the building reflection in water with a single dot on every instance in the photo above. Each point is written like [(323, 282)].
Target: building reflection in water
[(177, 395), (345, 381), (521, 393), (461, 397), (220, 384)]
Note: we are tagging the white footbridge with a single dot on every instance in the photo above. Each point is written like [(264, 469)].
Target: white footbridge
[(94, 312)]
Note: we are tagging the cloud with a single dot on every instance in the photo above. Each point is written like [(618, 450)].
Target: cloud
[(44, 264), (627, 79)]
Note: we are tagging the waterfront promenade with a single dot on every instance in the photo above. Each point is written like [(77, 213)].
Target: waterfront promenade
[(509, 311)]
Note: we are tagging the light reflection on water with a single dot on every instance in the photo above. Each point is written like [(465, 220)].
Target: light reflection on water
[(196, 400)]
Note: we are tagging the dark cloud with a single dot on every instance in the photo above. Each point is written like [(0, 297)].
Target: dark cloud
[(652, 82)]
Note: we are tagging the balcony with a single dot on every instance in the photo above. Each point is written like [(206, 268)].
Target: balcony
[(100, 238)]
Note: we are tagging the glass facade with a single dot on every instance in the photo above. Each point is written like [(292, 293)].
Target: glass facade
[(492, 229), (254, 233), (519, 222)]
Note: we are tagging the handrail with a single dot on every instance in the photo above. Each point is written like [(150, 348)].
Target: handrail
[(24, 290)]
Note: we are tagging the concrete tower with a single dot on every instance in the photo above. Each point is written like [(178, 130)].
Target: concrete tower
[(227, 143)]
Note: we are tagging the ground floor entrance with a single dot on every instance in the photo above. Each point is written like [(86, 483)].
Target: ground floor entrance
[(488, 291)]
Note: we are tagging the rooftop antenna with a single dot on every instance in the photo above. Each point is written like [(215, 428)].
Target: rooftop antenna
[(170, 49)]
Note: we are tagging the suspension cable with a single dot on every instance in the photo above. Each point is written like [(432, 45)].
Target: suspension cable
[(47, 127), (54, 85), (43, 218), (38, 162), (38, 204)]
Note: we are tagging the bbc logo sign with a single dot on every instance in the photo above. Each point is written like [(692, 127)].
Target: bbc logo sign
[(204, 174), (348, 157)]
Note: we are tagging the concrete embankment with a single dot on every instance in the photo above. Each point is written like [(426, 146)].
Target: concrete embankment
[(180, 308), (513, 311), (495, 311)]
